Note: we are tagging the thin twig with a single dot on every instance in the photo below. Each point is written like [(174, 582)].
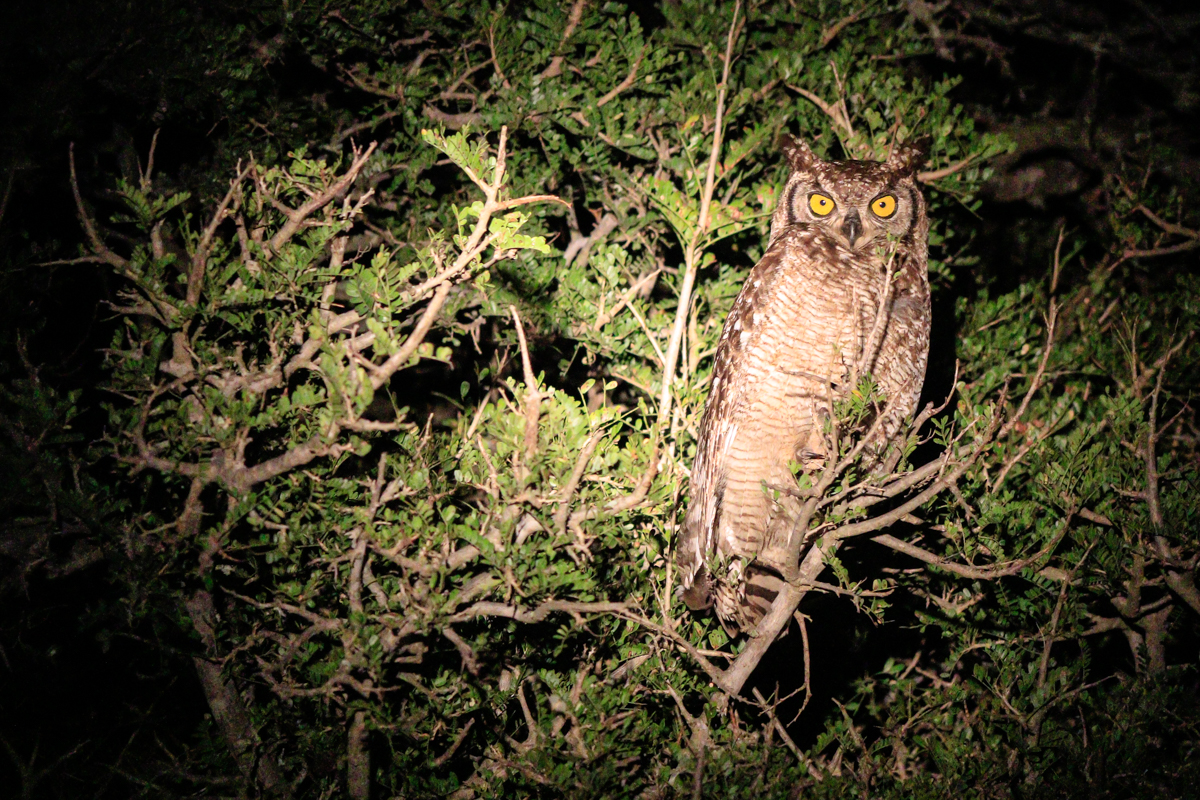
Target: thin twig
[(533, 396), (640, 284), (946, 172), (831, 112), (630, 79), (453, 748), (562, 515), (297, 217), (98, 246), (692, 253), (148, 175), (775, 722), (831, 33), (195, 281), (555, 68)]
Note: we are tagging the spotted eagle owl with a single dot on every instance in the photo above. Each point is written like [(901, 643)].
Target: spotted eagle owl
[(848, 247)]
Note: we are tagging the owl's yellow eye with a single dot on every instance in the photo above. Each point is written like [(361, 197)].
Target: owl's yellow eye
[(821, 205), (884, 206)]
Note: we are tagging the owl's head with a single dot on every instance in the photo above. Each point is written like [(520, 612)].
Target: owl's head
[(857, 202)]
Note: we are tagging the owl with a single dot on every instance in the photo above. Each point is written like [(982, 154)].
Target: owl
[(843, 281)]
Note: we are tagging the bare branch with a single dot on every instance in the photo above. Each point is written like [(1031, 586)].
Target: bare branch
[(1161, 251), (1168, 227), (630, 79), (297, 217), (698, 743), (533, 397), (1036, 383), (367, 125), (831, 33), (539, 614), (640, 284), (555, 68), (241, 480), (773, 721), (98, 247), (833, 113), (714, 674), (629, 501), (147, 180), (580, 245), (195, 281), (492, 47), (465, 651), (563, 513), (458, 740), (946, 172), (452, 121), (981, 573), (1181, 582)]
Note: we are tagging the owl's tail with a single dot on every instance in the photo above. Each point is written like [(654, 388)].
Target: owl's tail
[(740, 608)]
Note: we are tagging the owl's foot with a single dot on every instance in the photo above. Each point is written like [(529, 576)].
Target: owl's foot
[(810, 460)]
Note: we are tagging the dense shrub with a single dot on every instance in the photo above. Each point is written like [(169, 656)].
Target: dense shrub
[(399, 423)]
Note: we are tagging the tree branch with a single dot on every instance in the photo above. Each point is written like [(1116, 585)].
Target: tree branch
[(539, 614), (297, 217), (630, 79), (555, 68), (692, 252), (562, 515)]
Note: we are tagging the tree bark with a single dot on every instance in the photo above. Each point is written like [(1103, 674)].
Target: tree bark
[(228, 708), (358, 759), (1155, 626)]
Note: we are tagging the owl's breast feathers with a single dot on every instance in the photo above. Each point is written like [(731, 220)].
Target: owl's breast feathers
[(791, 339)]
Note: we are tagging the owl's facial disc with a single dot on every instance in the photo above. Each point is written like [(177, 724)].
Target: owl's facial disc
[(856, 203)]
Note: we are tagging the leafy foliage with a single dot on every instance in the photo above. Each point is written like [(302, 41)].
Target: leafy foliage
[(472, 595)]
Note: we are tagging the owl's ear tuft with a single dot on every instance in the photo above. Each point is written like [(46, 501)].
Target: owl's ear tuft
[(797, 151), (908, 157)]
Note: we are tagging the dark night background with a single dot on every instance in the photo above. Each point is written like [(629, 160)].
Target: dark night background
[(1079, 87)]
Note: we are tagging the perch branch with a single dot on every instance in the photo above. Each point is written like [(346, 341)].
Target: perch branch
[(770, 626)]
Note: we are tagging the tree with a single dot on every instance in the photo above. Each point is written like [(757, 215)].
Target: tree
[(474, 596)]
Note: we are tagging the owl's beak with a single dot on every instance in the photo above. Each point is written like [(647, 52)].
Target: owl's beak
[(852, 226)]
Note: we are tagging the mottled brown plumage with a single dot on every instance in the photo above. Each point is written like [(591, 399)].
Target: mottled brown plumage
[(798, 333)]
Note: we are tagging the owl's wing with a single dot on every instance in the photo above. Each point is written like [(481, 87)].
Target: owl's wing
[(736, 373), (903, 355)]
